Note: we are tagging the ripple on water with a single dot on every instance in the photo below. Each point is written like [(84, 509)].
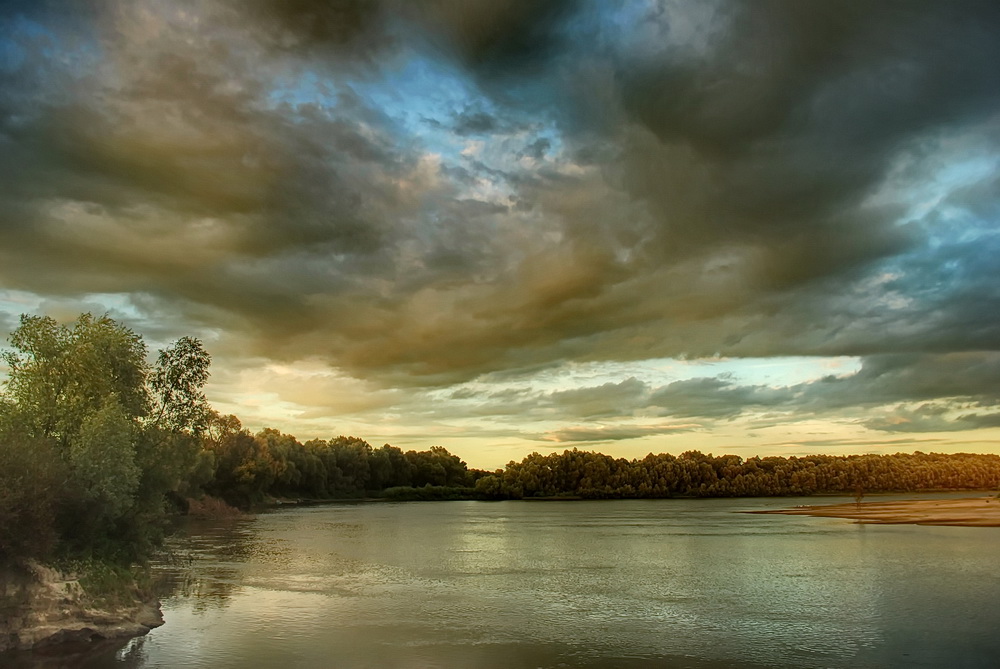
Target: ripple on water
[(575, 583)]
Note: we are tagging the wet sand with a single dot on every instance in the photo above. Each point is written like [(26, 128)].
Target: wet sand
[(974, 512)]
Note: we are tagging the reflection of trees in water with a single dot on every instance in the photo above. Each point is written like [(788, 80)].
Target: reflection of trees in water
[(202, 561), (207, 589), (93, 655)]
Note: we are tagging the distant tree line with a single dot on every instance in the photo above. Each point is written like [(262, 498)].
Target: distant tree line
[(249, 467), (693, 474), (98, 447)]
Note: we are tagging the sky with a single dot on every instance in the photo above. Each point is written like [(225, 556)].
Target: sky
[(762, 227)]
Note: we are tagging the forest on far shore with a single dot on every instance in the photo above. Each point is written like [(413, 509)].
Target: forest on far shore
[(99, 449)]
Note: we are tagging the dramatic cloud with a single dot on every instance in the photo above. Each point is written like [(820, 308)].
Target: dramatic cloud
[(449, 206)]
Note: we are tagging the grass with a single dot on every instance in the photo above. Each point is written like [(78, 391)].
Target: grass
[(110, 585)]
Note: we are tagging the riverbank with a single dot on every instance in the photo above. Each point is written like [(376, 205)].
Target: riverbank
[(41, 607), (968, 512)]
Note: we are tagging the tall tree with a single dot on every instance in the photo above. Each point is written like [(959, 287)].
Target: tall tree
[(76, 393), (61, 375), (178, 377), (103, 460)]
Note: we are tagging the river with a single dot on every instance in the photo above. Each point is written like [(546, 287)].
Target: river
[(666, 583)]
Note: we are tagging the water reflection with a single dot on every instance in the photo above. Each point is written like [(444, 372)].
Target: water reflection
[(201, 563), (589, 584)]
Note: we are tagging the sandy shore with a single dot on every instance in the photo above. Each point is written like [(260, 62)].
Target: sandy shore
[(975, 512)]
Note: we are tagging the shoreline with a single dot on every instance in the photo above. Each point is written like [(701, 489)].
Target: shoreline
[(962, 512), (45, 608)]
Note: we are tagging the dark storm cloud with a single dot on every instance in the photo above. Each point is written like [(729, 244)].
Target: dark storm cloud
[(607, 400), (758, 158), (354, 27), (931, 418), (538, 148), (495, 37), (716, 397), (475, 123), (793, 117), (958, 384), (704, 180), (108, 185), (777, 70)]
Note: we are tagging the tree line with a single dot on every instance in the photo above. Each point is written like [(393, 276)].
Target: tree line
[(98, 447), (591, 475)]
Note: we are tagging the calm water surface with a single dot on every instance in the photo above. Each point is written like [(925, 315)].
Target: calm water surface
[(671, 583)]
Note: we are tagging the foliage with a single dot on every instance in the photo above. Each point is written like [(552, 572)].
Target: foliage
[(102, 459), (176, 383), (249, 468), (31, 480), (85, 468), (60, 375), (437, 467), (694, 474), (244, 469), (107, 584)]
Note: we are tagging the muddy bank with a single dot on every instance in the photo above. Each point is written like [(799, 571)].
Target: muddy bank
[(972, 512), (41, 607)]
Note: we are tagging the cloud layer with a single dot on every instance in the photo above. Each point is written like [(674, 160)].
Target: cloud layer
[(423, 195)]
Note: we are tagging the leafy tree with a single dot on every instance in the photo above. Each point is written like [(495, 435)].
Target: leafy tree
[(437, 467), (352, 456), (178, 377), (102, 460), (490, 487), (60, 375), (32, 483), (390, 468), (219, 427), (78, 395), (244, 469)]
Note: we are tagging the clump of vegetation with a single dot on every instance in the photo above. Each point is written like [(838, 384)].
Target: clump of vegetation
[(85, 461), (210, 507), (110, 585)]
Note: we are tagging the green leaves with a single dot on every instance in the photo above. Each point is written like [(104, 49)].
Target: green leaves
[(180, 373), (103, 459), (61, 375), (111, 436)]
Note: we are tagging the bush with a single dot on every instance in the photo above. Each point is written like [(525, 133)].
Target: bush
[(108, 584), (32, 481)]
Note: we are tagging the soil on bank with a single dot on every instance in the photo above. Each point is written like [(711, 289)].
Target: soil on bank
[(42, 607)]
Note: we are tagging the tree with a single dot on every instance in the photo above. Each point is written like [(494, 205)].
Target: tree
[(244, 469), (59, 375), (437, 467), (176, 383), (32, 480), (81, 395), (102, 459)]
